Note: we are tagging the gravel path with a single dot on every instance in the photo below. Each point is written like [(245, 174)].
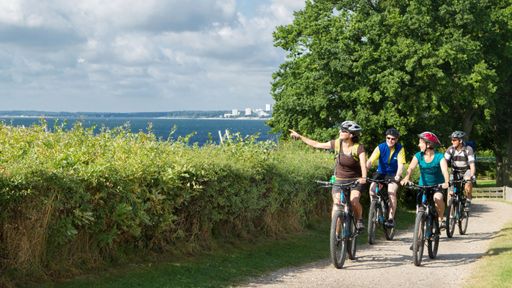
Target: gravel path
[(389, 263)]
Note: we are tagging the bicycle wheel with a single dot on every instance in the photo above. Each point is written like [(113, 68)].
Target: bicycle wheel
[(418, 239), (338, 243), (451, 220), (351, 242), (372, 222), (433, 241), (389, 232), (463, 220)]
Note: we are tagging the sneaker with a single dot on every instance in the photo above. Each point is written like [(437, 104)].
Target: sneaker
[(360, 225), (443, 224), (390, 223), (467, 205)]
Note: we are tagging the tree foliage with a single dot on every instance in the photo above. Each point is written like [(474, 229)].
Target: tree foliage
[(416, 65)]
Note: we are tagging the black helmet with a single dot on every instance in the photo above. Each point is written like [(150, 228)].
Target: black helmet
[(351, 126), (393, 132), (458, 134)]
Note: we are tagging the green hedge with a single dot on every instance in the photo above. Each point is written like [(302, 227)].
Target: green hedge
[(72, 199)]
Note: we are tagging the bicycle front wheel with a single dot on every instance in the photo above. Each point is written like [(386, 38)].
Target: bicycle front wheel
[(433, 241), (418, 238), (451, 220), (351, 243), (338, 241), (463, 220), (389, 232), (372, 222)]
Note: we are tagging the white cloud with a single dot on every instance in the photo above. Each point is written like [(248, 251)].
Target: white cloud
[(203, 54)]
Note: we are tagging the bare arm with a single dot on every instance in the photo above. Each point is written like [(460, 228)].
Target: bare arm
[(310, 142), (472, 168), (362, 162), (399, 171), (412, 166), (444, 170)]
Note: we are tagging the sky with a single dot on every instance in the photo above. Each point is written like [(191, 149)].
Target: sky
[(139, 56)]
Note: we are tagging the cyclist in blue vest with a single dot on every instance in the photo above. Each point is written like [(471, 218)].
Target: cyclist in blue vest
[(433, 169), (391, 157)]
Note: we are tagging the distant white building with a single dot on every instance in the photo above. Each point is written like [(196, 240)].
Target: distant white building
[(248, 111), (268, 107), (235, 112), (262, 114)]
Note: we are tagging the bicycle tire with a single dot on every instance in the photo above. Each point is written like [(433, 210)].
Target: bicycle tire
[(463, 220), (338, 243), (351, 242), (372, 222), (418, 238), (433, 242), (389, 232), (451, 220)]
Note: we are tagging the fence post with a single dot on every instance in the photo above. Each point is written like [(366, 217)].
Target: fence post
[(507, 195)]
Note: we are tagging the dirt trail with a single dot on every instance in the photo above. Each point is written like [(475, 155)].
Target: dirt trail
[(389, 263)]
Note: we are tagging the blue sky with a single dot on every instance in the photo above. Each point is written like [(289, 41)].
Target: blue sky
[(132, 55)]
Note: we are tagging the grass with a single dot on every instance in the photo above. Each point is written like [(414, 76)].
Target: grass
[(486, 183), (225, 268), (495, 268)]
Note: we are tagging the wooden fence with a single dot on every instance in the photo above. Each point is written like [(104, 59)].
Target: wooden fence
[(493, 192)]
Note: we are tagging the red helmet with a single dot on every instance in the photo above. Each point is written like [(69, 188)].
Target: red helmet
[(430, 138)]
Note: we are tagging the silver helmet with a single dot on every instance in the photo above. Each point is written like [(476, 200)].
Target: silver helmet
[(458, 134), (351, 126)]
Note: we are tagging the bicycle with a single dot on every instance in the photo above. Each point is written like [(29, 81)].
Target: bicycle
[(343, 232), (456, 211), (379, 211), (426, 225)]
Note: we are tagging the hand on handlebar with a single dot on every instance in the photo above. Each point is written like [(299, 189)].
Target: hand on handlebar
[(405, 182), (362, 180), (445, 185)]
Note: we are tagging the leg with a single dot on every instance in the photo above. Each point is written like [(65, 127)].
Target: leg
[(392, 190), (469, 189), (439, 201), (336, 200), (355, 195), (372, 191)]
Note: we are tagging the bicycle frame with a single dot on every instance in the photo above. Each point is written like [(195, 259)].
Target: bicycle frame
[(455, 212), (343, 233), (426, 226), (379, 210)]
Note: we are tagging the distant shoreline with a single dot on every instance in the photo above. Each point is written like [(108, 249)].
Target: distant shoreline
[(125, 117)]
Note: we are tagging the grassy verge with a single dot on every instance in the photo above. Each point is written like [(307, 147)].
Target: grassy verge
[(486, 183), (495, 268), (225, 268)]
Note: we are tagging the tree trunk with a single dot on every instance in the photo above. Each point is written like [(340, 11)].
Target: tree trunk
[(504, 163)]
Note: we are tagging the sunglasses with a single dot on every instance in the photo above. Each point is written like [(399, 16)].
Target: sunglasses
[(455, 140), (391, 138)]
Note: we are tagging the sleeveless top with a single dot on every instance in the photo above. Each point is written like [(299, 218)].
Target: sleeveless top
[(388, 167), (430, 173)]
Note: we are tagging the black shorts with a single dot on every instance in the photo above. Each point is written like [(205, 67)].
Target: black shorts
[(337, 189)]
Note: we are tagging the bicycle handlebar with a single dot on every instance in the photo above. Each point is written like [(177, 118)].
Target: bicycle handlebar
[(462, 181), (382, 181), (329, 184), (413, 186)]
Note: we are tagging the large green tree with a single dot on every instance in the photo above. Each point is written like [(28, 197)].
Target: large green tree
[(416, 65)]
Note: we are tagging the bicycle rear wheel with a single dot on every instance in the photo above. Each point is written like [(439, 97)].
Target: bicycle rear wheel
[(338, 243), (389, 232), (451, 220), (372, 222), (433, 241), (351, 242), (418, 238), (463, 220)]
